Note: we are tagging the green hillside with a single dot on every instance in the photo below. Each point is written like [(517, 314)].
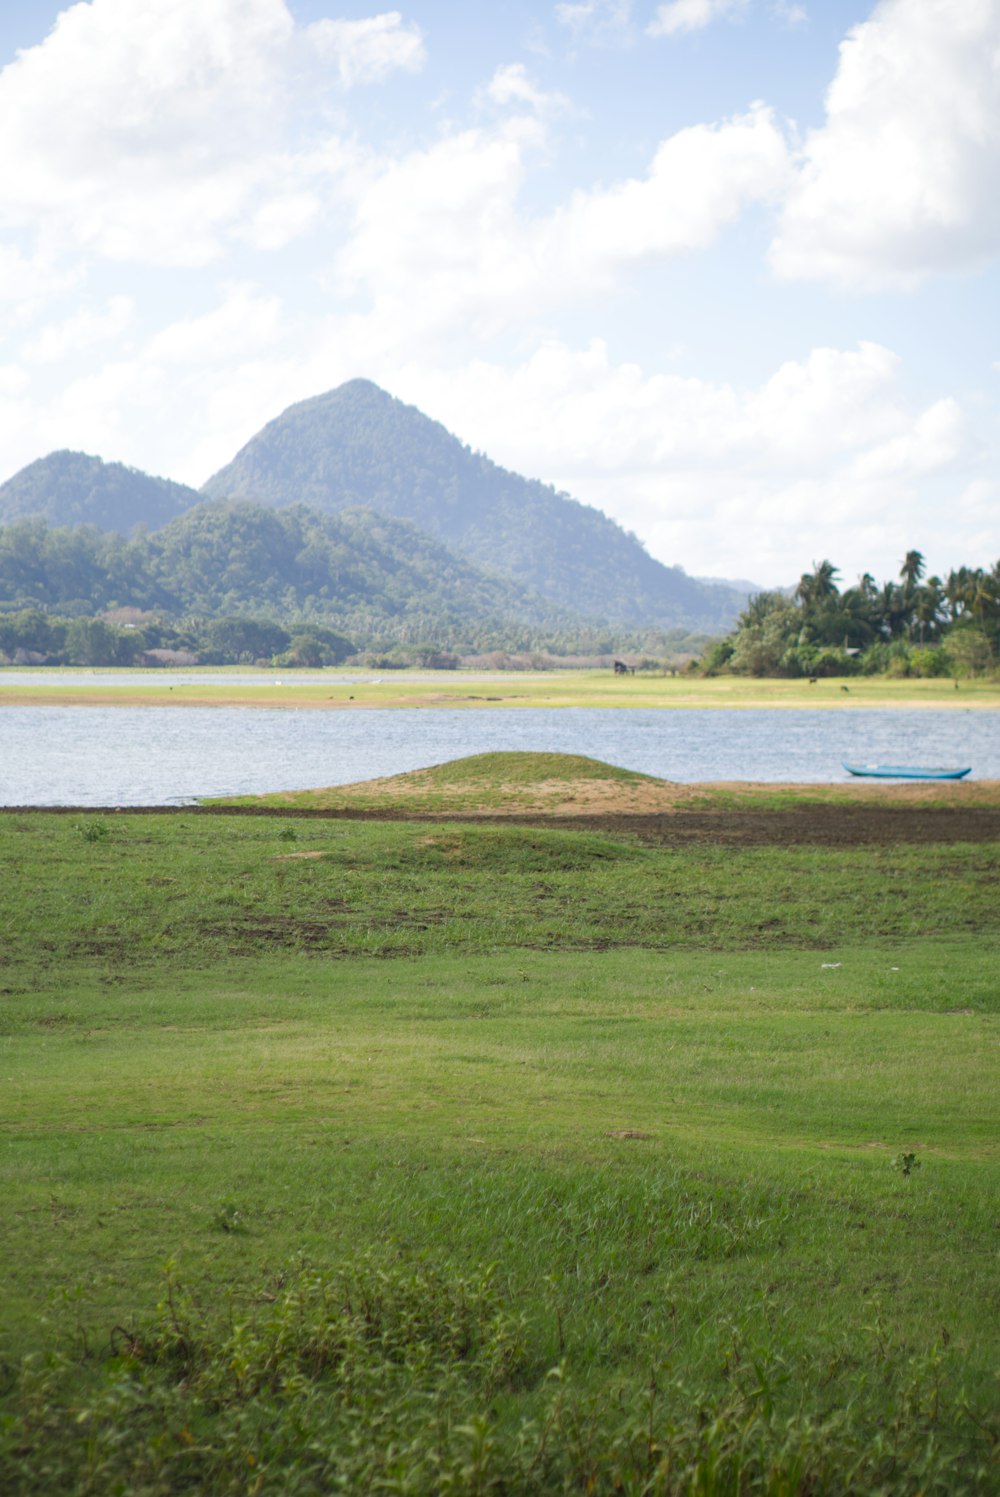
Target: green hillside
[(70, 488), (358, 445), (376, 576)]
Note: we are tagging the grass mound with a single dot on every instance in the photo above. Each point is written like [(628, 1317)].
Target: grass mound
[(564, 784), (517, 768)]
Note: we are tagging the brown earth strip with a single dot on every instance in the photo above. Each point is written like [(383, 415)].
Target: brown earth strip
[(832, 826)]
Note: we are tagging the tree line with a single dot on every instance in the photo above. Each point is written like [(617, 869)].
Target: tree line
[(232, 583), (911, 625)]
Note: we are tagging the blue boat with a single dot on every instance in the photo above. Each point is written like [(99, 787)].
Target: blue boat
[(906, 772)]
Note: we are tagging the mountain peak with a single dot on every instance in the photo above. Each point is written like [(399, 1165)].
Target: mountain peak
[(359, 445), (73, 488)]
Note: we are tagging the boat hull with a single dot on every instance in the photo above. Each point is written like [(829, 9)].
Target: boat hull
[(905, 772)]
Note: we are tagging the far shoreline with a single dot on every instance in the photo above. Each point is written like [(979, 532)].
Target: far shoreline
[(338, 690)]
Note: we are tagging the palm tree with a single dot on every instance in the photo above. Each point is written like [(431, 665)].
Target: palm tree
[(894, 610), (761, 605), (927, 605), (912, 570), (818, 587), (956, 592), (986, 597)]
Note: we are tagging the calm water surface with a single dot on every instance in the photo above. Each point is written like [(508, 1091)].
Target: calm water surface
[(145, 756)]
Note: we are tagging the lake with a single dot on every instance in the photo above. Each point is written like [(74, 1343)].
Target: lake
[(148, 756)]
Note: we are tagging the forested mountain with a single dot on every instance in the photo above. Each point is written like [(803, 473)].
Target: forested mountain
[(361, 451), (357, 445), (376, 577), (70, 488)]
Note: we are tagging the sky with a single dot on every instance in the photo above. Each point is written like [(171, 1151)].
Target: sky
[(725, 269)]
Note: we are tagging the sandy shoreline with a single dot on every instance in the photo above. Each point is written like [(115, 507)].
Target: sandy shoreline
[(368, 698)]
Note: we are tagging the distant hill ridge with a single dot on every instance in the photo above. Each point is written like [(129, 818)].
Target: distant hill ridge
[(357, 445), (358, 448), (72, 488), (375, 576)]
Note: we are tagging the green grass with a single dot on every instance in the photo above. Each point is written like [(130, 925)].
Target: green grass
[(190, 889), (484, 770), (470, 1159), (505, 781), (338, 689)]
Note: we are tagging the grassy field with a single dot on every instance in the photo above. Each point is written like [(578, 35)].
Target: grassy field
[(340, 689), (430, 1157)]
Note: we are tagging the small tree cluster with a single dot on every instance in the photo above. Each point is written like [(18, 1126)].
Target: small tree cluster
[(916, 625)]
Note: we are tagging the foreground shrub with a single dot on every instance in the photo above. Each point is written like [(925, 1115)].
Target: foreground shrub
[(382, 1377)]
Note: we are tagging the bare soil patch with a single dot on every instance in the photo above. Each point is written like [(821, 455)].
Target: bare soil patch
[(837, 825)]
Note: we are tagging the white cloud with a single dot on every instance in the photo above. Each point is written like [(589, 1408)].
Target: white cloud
[(932, 441), (835, 405), (435, 237), (84, 329), (511, 85), (978, 501), (245, 322), (678, 16), (597, 22), (901, 180), (367, 51), (170, 403), (699, 180), (788, 13), (726, 480), (440, 242), (13, 380), (27, 281), (282, 218), (150, 132)]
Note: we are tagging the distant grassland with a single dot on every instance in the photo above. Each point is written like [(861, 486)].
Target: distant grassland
[(446, 1157), (338, 689)]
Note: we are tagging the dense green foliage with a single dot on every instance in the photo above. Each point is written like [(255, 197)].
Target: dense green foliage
[(918, 625), (70, 488), (477, 1160), (379, 581), (357, 445), (29, 636)]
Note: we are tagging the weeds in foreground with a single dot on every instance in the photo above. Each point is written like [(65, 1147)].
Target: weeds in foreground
[(229, 1218), (92, 831), (382, 1376)]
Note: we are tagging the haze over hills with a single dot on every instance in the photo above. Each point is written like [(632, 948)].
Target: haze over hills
[(377, 577), (363, 570), (358, 445), (479, 537), (72, 488)]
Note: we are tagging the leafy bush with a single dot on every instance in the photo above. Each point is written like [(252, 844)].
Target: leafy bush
[(380, 1376)]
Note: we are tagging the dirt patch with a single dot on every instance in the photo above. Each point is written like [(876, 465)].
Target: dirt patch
[(855, 821), (830, 826), (819, 825), (430, 794)]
